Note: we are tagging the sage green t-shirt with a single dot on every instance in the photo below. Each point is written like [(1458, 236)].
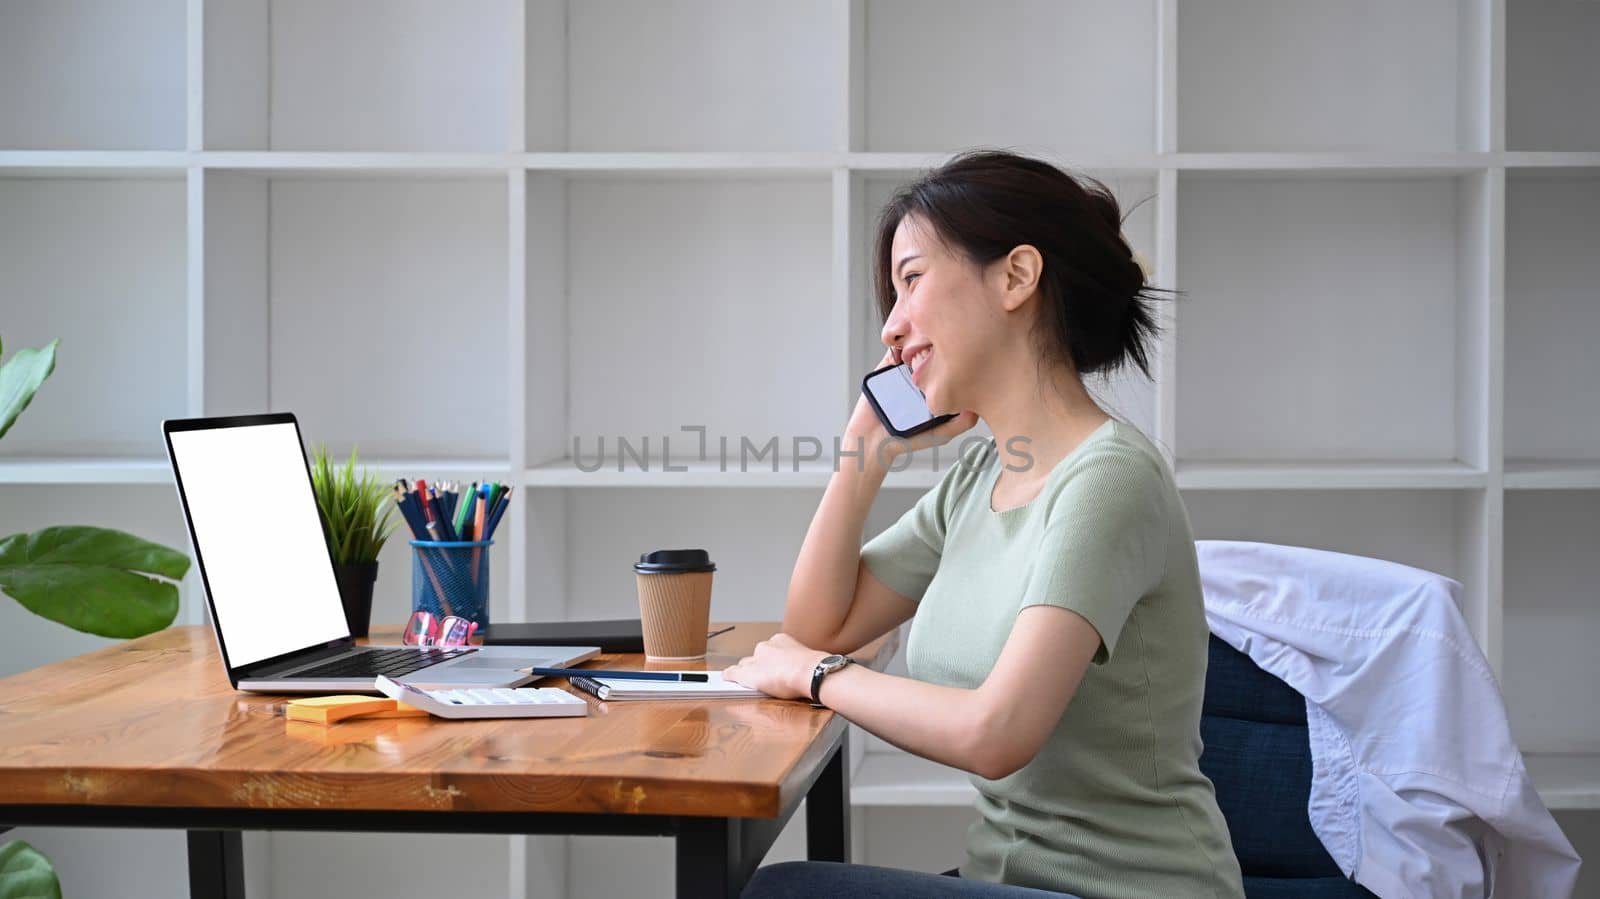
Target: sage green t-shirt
[(1114, 806)]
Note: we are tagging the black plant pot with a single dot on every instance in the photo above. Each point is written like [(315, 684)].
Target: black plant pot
[(355, 590)]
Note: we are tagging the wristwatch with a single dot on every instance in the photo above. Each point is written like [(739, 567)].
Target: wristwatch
[(827, 666)]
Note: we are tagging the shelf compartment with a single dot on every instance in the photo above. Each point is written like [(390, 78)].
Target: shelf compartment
[(581, 549), (1559, 162), (581, 546), (1225, 475), (1552, 411), (1242, 87), (681, 75), (99, 264), (360, 75), (1381, 280), (319, 164), (298, 862), (1566, 781), (731, 314), (1107, 164), (1552, 475), (384, 303), (93, 164), (931, 80), (1357, 164), (1442, 531), (1551, 97), (898, 778), (107, 470), (1550, 602), (92, 74), (754, 164)]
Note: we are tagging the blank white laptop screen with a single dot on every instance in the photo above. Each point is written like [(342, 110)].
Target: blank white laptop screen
[(254, 522)]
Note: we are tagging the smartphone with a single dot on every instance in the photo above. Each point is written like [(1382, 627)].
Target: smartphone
[(900, 404)]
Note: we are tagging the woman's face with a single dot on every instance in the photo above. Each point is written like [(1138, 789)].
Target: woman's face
[(946, 319)]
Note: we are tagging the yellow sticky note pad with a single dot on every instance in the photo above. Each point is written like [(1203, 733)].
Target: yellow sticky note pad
[(329, 709), (400, 710)]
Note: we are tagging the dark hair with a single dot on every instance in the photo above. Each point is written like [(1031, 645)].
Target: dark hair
[(1096, 314)]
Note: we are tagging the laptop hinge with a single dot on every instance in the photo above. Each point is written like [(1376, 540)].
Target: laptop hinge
[(279, 664)]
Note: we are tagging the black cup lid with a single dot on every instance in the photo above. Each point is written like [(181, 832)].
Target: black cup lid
[(674, 561)]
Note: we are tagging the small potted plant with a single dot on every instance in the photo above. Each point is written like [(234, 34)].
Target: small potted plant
[(357, 512)]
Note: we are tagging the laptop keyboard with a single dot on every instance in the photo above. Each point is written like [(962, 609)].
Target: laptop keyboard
[(389, 662)]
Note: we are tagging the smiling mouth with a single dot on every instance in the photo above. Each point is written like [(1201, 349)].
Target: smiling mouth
[(916, 362)]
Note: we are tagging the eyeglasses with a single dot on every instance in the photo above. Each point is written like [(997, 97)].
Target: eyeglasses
[(423, 629)]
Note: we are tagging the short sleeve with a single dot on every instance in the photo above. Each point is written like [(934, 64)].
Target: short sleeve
[(906, 554), (1104, 544)]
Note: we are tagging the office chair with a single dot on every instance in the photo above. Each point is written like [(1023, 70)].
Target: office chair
[(1258, 754)]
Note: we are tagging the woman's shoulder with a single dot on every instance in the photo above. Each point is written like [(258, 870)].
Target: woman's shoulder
[(1121, 444), (1118, 458)]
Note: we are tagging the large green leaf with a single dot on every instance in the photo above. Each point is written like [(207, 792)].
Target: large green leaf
[(93, 580), (26, 874), (19, 378)]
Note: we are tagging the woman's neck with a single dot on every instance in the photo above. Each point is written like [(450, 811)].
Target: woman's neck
[(1047, 421)]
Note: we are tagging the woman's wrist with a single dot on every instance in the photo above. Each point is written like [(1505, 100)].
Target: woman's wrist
[(867, 453), (830, 682), (802, 685)]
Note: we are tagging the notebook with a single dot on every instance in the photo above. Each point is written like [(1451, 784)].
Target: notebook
[(609, 688)]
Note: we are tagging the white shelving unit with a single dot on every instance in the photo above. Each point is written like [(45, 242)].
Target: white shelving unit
[(474, 238)]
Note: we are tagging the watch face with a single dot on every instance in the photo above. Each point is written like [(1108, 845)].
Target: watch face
[(832, 660)]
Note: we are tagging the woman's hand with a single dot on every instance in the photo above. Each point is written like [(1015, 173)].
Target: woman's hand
[(781, 667), (880, 445)]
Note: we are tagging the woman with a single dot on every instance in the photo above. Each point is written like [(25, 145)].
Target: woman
[(1057, 648)]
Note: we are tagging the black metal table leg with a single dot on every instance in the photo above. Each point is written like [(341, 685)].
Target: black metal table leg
[(216, 864), (709, 863), (828, 811)]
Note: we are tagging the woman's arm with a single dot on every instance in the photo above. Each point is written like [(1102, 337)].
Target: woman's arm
[(991, 731), (834, 602)]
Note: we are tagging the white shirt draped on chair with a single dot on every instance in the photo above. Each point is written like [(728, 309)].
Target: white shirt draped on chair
[(1417, 788)]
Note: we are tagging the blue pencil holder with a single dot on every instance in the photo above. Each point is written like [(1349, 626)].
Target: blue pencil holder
[(451, 578)]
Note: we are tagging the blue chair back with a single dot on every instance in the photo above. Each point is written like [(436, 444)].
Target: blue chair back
[(1258, 754)]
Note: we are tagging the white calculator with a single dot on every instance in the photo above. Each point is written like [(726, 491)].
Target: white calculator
[(491, 702)]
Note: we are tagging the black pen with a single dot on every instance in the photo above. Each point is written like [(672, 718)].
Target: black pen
[(691, 676)]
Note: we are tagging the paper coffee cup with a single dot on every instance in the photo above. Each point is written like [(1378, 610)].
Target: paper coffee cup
[(675, 603)]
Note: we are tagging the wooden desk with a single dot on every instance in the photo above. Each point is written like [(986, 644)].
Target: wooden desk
[(149, 734)]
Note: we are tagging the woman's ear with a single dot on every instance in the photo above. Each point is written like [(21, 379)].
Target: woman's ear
[(1019, 275)]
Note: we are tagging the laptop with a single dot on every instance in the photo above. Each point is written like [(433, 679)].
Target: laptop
[(245, 487)]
